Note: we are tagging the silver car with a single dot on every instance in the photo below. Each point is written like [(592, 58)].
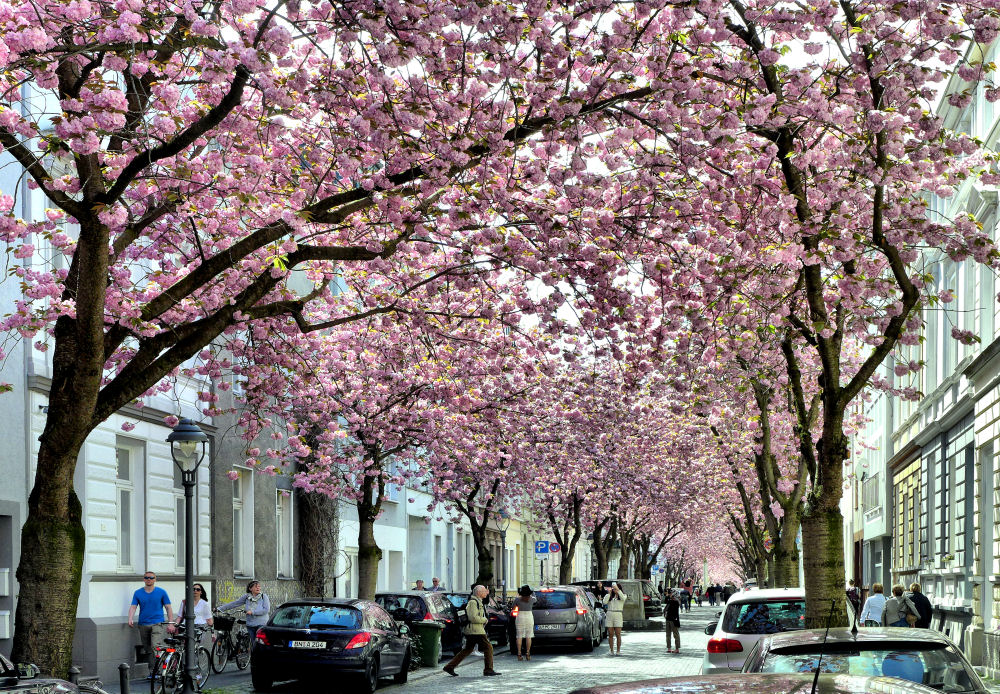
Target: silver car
[(564, 615), (762, 684), (919, 655)]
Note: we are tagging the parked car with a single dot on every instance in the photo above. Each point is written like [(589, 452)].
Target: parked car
[(919, 655), (600, 610), (762, 684), (327, 637), (500, 626), (409, 606), (565, 615), (747, 617), (26, 679), (652, 606)]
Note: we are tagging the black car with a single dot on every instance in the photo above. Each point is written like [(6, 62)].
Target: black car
[(320, 637), (500, 628), (25, 679), (651, 604), (410, 606)]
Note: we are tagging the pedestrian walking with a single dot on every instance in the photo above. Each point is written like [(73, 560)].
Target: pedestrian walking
[(151, 601), (524, 623), (854, 596), (255, 604), (202, 614), (728, 591), (475, 634), (615, 600), (436, 586), (871, 613), (899, 610), (720, 595), (672, 621), (698, 595), (686, 596), (710, 592), (923, 606)]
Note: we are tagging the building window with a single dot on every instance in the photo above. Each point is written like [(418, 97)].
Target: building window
[(284, 524), (124, 495), (906, 491), (243, 524), (870, 493)]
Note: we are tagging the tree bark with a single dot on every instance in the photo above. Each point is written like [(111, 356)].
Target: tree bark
[(568, 535), (603, 544), (319, 521), (369, 553), (786, 557)]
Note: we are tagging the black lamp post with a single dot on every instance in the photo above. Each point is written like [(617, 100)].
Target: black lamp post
[(187, 454), (503, 522)]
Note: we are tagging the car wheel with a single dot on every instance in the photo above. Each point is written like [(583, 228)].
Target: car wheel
[(369, 681), (262, 679), (400, 677), (587, 646)]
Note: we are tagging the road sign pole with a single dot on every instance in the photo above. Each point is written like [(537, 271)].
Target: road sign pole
[(541, 578)]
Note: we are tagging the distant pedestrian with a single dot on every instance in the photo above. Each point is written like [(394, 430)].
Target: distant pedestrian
[(710, 592), (419, 585), (672, 621), (729, 591), (871, 613), (686, 596), (615, 600), (151, 601), (475, 634), (255, 604), (436, 586), (923, 606), (524, 623), (698, 595), (897, 608), (854, 596), (720, 595)]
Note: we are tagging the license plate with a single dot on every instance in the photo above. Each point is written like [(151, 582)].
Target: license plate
[(547, 627), (307, 644)]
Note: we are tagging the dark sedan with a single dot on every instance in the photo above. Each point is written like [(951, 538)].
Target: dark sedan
[(762, 684), (25, 679), (920, 655), (500, 626), (324, 637), (411, 606)]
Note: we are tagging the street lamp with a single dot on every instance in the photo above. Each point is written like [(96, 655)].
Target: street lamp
[(184, 449), (503, 522)]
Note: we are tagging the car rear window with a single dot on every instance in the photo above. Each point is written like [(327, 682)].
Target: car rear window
[(317, 617), (555, 600), (765, 616), (440, 606), (411, 603), (933, 664)]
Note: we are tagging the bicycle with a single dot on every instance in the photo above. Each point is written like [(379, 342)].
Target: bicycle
[(168, 669), (233, 642)]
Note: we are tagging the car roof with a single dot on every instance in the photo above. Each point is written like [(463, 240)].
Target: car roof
[(845, 635), (419, 593), (770, 683), (350, 602), (764, 594)]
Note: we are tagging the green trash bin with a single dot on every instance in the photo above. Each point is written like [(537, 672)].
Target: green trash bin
[(428, 635)]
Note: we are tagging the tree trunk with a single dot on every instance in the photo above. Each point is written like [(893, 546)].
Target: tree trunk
[(484, 576), (626, 559), (786, 559), (823, 559), (319, 521), (369, 553), (603, 545)]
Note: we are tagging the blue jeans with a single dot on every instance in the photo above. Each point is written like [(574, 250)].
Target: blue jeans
[(901, 623)]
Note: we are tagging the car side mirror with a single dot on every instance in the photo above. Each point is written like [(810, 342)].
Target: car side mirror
[(710, 629), (404, 630), (400, 614), (27, 671)]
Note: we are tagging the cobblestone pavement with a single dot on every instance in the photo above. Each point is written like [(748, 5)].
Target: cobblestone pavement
[(559, 671)]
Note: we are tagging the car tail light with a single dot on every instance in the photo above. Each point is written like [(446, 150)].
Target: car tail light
[(513, 613), (645, 598), (722, 645), (360, 640), (580, 609), (262, 638), (447, 620), (428, 617)]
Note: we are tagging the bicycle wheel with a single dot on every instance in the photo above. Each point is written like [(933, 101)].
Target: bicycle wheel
[(220, 653), (243, 650), (155, 676), (204, 663), (174, 673)]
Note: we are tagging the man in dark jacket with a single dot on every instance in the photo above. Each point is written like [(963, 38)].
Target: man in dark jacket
[(672, 620), (923, 606)]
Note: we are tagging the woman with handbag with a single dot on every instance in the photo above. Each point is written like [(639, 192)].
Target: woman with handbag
[(899, 610)]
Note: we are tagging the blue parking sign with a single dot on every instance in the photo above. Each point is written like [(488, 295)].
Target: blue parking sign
[(541, 547)]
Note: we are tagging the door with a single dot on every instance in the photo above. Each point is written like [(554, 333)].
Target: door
[(390, 648)]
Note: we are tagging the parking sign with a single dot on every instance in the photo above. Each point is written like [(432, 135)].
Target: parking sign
[(541, 547)]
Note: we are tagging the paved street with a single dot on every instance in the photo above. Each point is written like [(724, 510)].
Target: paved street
[(558, 671)]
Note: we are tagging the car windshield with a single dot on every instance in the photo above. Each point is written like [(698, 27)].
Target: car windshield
[(411, 603), (440, 606), (457, 599), (555, 600), (932, 664), (317, 617), (765, 617)]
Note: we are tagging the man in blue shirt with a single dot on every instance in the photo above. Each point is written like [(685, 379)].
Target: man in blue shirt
[(151, 601)]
